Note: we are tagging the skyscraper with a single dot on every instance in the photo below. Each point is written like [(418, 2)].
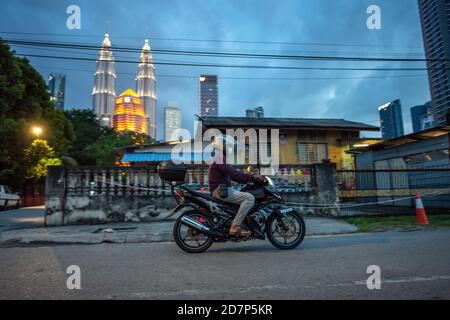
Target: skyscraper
[(257, 112), (422, 117), (57, 89), (104, 92), (129, 115), (146, 87), (391, 120), (208, 96), (172, 120), (435, 20)]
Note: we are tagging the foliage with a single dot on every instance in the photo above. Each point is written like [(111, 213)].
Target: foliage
[(95, 144), (87, 131), (104, 149), (39, 155), (24, 103)]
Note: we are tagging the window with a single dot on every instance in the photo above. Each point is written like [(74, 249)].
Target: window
[(311, 152)]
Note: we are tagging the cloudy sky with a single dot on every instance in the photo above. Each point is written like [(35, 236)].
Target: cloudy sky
[(308, 27)]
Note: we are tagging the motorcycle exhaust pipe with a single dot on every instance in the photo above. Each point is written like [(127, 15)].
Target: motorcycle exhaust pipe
[(194, 224)]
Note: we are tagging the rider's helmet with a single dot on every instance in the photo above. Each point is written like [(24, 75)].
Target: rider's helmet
[(230, 147), (224, 143)]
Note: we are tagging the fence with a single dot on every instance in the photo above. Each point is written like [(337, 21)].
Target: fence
[(385, 190), (33, 195), (145, 180), (101, 194)]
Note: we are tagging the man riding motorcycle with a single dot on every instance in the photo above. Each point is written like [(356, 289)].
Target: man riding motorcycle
[(221, 174)]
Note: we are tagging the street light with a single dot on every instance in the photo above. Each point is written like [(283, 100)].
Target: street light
[(37, 131)]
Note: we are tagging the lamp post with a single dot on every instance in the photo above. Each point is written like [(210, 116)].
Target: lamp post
[(37, 131)]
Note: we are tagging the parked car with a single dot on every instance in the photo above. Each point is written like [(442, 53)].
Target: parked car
[(8, 199)]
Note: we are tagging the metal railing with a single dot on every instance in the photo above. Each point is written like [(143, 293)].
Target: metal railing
[(372, 185), (145, 180)]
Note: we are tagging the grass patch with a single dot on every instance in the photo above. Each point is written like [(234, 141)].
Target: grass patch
[(383, 223)]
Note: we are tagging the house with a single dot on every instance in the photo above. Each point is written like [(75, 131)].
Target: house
[(427, 148), (301, 141)]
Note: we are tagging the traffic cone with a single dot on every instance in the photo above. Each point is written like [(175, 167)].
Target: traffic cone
[(421, 216)]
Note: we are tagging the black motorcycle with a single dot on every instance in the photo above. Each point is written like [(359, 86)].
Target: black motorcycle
[(208, 219)]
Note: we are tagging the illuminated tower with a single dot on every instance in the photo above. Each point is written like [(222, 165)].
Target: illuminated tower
[(129, 115), (104, 91), (146, 87), (208, 96)]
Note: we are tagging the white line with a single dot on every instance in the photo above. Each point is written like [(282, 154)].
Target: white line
[(408, 280), (196, 292)]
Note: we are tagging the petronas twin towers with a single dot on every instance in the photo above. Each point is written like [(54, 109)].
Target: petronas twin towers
[(104, 92)]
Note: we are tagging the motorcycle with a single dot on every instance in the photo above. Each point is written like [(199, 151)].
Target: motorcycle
[(208, 219)]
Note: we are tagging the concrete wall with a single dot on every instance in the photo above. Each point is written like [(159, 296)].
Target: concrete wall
[(85, 201)]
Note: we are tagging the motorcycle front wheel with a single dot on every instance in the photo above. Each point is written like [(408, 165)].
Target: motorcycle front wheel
[(288, 234), (189, 239)]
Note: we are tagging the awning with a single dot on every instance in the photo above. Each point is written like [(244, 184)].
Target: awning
[(158, 157)]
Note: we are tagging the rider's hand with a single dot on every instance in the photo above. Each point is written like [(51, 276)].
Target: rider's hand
[(259, 179)]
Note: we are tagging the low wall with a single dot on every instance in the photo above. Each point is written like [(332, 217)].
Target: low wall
[(77, 195)]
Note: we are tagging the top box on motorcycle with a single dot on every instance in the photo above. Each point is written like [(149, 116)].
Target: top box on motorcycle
[(170, 171)]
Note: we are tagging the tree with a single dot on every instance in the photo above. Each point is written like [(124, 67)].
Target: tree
[(104, 149), (25, 102), (95, 144), (88, 131), (39, 155)]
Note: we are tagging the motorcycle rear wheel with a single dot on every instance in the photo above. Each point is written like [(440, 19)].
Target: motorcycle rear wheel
[(181, 239)]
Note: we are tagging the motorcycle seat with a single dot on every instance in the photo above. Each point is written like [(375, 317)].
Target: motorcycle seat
[(209, 197)]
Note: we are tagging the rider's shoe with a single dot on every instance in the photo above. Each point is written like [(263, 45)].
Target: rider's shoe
[(237, 231)]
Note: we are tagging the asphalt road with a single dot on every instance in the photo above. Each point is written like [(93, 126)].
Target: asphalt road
[(29, 217), (414, 265)]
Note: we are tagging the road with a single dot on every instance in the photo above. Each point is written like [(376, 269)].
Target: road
[(29, 217), (414, 265)]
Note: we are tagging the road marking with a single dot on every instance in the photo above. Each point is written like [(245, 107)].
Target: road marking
[(195, 292), (407, 280)]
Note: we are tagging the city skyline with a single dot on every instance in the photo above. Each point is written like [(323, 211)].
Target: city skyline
[(351, 95)]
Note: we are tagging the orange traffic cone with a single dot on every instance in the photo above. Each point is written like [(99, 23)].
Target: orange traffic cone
[(421, 216)]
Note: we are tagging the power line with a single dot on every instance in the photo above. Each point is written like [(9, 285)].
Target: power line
[(252, 78), (156, 61), (188, 64), (258, 51), (225, 54), (217, 40)]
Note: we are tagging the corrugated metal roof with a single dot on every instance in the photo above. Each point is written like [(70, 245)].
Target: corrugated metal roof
[(409, 138), (158, 157), (221, 122)]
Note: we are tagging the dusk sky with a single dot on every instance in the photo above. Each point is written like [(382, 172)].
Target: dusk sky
[(314, 27)]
